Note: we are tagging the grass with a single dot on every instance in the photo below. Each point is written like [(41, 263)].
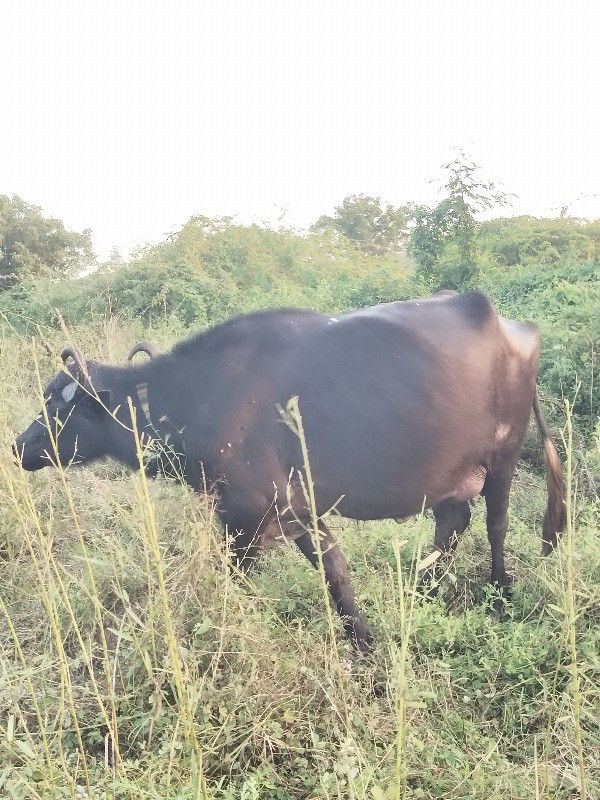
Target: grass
[(133, 664)]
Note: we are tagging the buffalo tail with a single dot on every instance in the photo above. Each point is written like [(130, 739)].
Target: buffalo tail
[(555, 516)]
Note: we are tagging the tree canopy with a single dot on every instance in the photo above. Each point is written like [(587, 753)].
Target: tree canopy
[(31, 244), (444, 242), (369, 226)]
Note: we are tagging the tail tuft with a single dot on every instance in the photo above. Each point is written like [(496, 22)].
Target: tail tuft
[(555, 516)]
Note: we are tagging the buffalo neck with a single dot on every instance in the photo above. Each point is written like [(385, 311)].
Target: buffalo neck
[(127, 387)]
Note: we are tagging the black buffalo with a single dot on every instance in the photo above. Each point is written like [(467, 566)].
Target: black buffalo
[(404, 405)]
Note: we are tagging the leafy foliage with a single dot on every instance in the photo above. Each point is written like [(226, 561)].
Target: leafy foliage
[(371, 228), (211, 269), (444, 242), (533, 242), (33, 245)]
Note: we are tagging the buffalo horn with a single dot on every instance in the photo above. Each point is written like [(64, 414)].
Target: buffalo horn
[(82, 373), (429, 561), (144, 347)]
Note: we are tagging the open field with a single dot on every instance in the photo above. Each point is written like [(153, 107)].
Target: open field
[(134, 664)]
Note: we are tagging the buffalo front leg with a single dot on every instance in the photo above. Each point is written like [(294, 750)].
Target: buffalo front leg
[(244, 551), (451, 520), (338, 582), (244, 540)]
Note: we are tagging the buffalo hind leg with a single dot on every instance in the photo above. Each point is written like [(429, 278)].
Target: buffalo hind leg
[(338, 582)]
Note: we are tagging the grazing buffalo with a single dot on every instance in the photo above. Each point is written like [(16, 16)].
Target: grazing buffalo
[(404, 405)]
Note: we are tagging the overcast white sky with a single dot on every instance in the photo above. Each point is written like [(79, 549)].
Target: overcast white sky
[(128, 117)]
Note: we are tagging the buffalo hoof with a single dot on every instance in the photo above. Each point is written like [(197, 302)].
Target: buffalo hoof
[(428, 586), (502, 598), (361, 636)]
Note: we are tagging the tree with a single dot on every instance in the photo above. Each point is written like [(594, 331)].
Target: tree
[(444, 240), (373, 229), (31, 244)]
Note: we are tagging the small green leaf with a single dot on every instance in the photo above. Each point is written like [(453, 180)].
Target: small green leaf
[(203, 627)]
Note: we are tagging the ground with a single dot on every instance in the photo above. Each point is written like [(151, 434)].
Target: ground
[(119, 612)]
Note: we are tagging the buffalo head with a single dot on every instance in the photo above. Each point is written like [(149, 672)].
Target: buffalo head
[(73, 423)]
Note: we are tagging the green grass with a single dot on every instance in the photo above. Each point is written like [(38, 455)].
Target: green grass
[(133, 664)]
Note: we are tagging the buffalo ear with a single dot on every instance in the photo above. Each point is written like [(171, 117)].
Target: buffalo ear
[(69, 391)]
